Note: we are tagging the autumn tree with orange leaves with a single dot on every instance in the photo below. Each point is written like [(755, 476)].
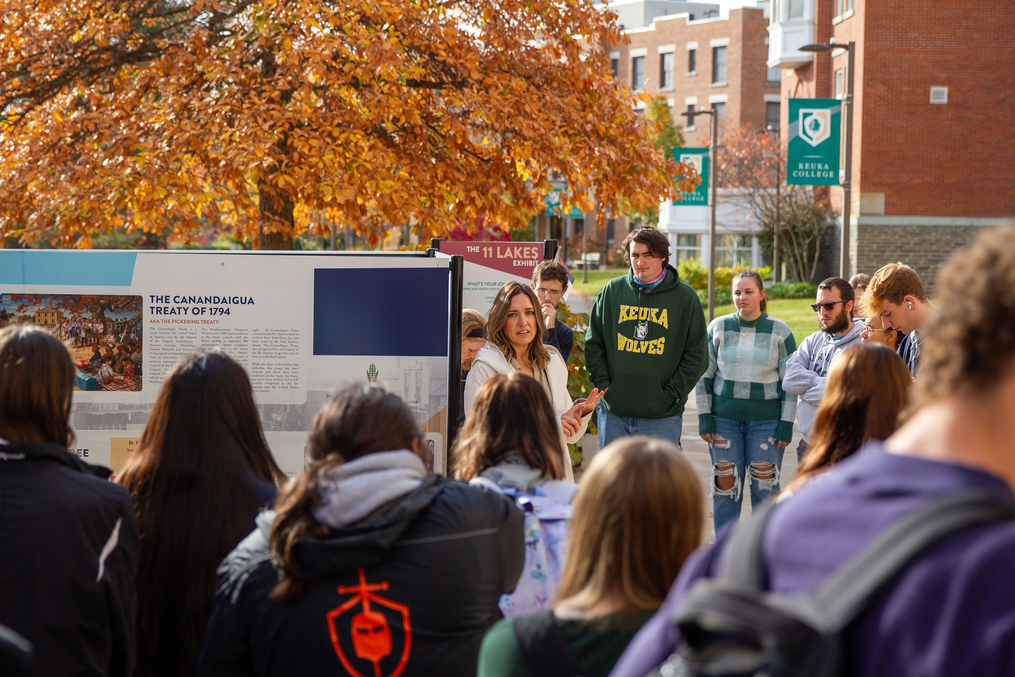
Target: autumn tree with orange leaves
[(266, 118)]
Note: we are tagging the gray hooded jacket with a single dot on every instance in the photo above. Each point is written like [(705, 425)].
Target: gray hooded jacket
[(806, 370)]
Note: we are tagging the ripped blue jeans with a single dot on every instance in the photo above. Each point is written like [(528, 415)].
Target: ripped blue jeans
[(750, 445)]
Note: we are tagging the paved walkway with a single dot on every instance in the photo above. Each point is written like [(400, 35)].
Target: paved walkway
[(696, 448)]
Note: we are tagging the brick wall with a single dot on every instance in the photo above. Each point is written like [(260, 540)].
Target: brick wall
[(924, 248), (953, 159), (746, 54), (913, 157)]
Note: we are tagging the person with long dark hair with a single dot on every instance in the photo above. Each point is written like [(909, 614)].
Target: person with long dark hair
[(866, 389), (200, 475), (370, 566), (68, 541)]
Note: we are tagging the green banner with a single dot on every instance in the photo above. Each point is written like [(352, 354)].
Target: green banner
[(697, 158), (813, 150), (553, 207)]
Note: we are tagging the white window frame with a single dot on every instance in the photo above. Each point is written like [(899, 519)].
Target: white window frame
[(664, 84), (726, 63)]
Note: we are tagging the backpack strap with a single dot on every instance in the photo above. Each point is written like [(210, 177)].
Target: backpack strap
[(543, 646), (849, 589)]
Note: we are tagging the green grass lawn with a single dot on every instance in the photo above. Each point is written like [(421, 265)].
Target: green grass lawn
[(796, 313), (597, 280)]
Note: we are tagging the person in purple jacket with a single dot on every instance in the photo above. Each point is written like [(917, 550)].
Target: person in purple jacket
[(952, 613)]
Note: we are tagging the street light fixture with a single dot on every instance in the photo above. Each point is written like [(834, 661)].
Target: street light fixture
[(776, 263), (713, 144), (847, 105)]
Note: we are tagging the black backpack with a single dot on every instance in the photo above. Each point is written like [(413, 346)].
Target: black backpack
[(731, 627)]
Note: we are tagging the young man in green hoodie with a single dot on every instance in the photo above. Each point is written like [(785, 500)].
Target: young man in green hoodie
[(646, 342)]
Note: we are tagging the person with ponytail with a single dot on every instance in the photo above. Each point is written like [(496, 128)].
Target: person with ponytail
[(370, 565), (743, 412)]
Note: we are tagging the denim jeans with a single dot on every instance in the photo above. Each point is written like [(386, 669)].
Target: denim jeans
[(801, 449), (749, 444), (612, 427)]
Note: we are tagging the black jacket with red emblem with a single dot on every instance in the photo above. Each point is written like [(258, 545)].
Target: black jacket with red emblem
[(409, 593)]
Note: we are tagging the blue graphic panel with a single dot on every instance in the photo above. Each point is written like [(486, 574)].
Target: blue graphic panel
[(381, 311), (67, 268)]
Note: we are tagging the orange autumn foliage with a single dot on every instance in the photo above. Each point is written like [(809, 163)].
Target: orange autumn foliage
[(265, 118)]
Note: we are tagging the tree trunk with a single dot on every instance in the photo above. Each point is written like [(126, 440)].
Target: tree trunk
[(277, 225), (274, 203)]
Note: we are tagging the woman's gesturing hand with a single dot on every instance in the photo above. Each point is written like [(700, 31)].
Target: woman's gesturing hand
[(589, 403)]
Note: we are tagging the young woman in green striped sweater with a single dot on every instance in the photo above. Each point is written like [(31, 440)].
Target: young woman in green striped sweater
[(743, 412)]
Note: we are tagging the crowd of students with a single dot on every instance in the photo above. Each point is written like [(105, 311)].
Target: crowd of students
[(200, 558)]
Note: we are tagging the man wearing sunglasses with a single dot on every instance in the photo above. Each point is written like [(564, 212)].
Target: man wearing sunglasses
[(806, 368)]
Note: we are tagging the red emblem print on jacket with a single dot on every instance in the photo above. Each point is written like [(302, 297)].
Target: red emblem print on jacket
[(370, 631)]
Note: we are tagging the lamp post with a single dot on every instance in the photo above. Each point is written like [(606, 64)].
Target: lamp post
[(776, 263), (713, 145), (847, 113)]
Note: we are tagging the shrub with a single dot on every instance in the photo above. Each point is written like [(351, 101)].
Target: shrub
[(791, 290), (779, 290), (723, 296), (695, 274), (579, 383)]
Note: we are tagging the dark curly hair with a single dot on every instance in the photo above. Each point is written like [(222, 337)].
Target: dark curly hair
[(970, 342), (658, 244)]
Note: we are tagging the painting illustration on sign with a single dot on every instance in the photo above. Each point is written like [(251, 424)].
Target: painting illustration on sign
[(103, 333)]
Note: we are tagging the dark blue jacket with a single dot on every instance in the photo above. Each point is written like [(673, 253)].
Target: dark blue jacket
[(68, 559), (560, 337)]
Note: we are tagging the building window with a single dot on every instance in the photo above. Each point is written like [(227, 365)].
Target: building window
[(838, 84), (692, 61), (614, 67), (688, 247), (838, 7), (796, 9), (690, 118), (733, 250), (611, 230), (718, 64), (577, 226), (666, 70), (638, 73), (772, 114), (774, 75), (720, 110)]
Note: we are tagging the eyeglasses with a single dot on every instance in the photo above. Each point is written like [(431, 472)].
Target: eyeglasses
[(827, 306), (868, 330), (548, 292)]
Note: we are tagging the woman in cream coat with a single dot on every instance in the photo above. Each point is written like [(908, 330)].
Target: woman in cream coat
[(515, 331)]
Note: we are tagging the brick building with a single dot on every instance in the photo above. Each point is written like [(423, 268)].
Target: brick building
[(697, 59), (933, 131)]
